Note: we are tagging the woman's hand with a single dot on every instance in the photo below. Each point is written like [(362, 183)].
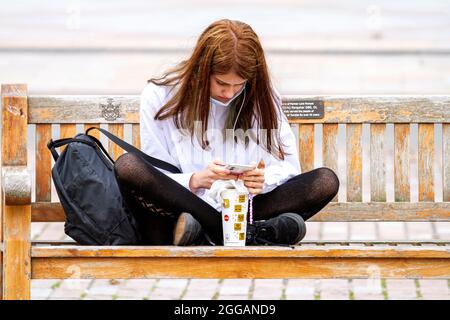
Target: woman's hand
[(254, 179), (206, 177)]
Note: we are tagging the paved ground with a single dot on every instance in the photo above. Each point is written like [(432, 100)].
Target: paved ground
[(247, 289)]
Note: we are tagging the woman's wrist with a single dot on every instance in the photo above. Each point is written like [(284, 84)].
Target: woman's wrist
[(193, 183)]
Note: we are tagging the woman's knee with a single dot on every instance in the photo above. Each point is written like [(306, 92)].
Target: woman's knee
[(124, 167), (131, 169), (328, 180)]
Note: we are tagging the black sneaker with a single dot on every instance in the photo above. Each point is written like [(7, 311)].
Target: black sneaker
[(285, 229), (188, 232)]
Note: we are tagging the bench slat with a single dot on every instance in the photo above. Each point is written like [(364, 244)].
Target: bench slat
[(377, 163), (222, 262), (336, 251), (446, 161), (67, 131), (43, 163), (330, 148), (438, 242), (113, 149), (340, 109), (354, 163), (135, 132), (426, 161), (401, 162), (306, 146), (94, 133), (334, 211)]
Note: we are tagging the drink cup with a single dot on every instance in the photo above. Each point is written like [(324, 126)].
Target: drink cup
[(234, 217)]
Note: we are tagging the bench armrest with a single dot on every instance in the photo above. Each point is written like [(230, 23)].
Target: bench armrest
[(16, 184)]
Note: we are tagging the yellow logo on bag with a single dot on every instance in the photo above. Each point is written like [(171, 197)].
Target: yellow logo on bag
[(237, 208), (226, 203), (241, 217), (241, 236), (242, 198), (237, 227)]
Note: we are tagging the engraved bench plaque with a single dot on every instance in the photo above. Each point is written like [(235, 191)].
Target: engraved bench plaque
[(304, 109)]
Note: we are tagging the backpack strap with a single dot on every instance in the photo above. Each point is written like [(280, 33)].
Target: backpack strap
[(132, 149), (52, 145)]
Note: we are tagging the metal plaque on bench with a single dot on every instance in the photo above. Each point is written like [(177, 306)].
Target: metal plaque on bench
[(304, 109)]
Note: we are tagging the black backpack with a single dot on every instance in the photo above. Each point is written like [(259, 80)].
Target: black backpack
[(96, 213)]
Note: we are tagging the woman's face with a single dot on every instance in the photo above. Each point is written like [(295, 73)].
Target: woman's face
[(225, 86)]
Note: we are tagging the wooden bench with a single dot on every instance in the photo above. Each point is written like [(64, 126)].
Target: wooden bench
[(22, 259)]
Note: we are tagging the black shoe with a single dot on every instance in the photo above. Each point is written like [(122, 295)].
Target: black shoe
[(188, 232), (285, 229)]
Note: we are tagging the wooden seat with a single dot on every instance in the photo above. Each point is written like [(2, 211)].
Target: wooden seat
[(23, 260), (307, 260)]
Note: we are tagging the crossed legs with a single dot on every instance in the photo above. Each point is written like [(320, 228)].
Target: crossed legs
[(156, 200)]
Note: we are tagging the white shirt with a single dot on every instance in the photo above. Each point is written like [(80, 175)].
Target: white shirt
[(161, 139)]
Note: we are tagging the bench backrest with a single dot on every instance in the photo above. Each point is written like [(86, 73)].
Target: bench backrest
[(344, 116)]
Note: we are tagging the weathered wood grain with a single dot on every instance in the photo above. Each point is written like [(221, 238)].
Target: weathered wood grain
[(426, 161), (377, 163), (16, 185), (303, 243), (305, 261), (330, 148), (94, 133), (84, 109), (1, 243), (43, 163), (239, 267), (136, 139), (340, 109), (17, 251), (401, 162), (306, 146), (310, 251), (354, 163), (14, 124), (334, 211), (446, 161), (113, 149), (67, 131)]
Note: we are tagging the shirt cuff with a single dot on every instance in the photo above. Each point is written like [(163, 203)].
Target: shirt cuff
[(183, 179)]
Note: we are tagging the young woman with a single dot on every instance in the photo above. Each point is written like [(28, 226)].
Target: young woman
[(215, 108)]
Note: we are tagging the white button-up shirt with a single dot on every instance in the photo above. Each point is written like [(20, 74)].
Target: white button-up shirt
[(161, 139)]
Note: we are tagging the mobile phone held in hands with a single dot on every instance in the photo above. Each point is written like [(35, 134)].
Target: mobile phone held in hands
[(239, 168)]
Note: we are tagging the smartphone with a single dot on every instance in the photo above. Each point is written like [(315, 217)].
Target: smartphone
[(239, 168)]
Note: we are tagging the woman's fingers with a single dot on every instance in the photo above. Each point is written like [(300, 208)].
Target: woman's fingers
[(254, 172), (255, 190), (251, 184), (219, 170), (254, 178)]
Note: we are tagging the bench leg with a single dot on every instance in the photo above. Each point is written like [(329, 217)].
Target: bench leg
[(17, 253), (1, 242), (1, 272)]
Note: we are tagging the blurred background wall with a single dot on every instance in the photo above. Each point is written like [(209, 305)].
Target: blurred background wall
[(313, 47)]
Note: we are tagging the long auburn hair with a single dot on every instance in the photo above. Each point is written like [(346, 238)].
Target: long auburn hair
[(224, 46)]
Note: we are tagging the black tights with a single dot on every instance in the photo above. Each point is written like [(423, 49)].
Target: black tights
[(156, 200)]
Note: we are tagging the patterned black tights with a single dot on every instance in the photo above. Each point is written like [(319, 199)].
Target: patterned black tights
[(156, 200)]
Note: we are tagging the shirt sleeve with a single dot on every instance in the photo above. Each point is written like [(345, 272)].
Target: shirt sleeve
[(279, 171), (153, 140)]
